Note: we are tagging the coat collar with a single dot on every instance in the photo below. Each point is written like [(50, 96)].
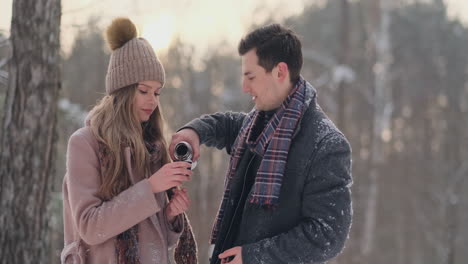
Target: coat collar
[(128, 163)]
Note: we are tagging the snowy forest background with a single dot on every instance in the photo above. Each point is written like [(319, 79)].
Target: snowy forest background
[(393, 77)]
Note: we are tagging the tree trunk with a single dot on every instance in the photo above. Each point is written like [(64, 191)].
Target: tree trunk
[(345, 28), (380, 43), (28, 132)]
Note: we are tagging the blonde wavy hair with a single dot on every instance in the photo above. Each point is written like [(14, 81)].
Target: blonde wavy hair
[(114, 123)]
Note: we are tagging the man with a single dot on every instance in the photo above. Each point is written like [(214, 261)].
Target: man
[(287, 196)]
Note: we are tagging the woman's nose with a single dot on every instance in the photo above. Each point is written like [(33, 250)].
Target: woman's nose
[(154, 100)]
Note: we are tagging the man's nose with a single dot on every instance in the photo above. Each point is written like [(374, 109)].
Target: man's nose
[(245, 86)]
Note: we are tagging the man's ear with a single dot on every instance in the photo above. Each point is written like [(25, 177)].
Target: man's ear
[(282, 72)]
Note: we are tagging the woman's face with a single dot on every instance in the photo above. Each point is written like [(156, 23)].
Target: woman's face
[(146, 99)]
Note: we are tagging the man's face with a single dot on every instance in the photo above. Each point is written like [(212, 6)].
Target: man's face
[(262, 86)]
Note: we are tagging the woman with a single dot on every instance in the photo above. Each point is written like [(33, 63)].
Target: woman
[(118, 170)]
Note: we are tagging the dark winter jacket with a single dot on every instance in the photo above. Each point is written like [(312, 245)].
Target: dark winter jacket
[(313, 218)]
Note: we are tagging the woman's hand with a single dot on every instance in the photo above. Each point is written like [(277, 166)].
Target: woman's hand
[(179, 203), (170, 175)]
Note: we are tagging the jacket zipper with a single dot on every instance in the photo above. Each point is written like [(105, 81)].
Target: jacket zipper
[(237, 207)]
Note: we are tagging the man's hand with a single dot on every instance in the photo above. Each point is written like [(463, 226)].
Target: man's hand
[(235, 252), (190, 136)]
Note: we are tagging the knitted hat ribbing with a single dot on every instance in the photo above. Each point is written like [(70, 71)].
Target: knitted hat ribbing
[(132, 59)]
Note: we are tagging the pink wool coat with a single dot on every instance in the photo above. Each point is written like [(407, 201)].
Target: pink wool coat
[(91, 225)]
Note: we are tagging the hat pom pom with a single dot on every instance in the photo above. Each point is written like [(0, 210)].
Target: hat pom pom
[(120, 32)]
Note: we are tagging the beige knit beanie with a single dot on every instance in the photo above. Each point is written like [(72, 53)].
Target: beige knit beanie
[(132, 59)]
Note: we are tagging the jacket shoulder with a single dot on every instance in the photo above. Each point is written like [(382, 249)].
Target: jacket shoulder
[(84, 135), (317, 124)]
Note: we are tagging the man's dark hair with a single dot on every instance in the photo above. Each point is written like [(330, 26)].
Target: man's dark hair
[(275, 44)]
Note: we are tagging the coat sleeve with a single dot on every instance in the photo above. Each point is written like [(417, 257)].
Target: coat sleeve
[(219, 129), (174, 230), (326, 210), (97, 220)]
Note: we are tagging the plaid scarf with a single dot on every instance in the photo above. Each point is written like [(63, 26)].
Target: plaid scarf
[(126, 246), (272, 145)]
